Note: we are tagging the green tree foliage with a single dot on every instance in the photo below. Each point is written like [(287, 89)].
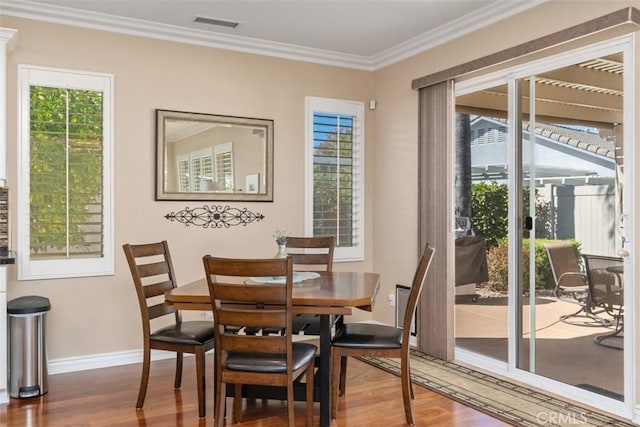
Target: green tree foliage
[(66, 170), (489, 209), (490, 216), (489, 212)]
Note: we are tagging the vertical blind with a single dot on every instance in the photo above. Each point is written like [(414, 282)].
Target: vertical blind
[(66, 173)]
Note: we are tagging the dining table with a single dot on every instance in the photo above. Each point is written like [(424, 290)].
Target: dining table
[(328, 294)]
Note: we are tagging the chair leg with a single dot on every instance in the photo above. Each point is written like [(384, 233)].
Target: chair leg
[(309, 380), (219, 399), (178, 380), (237, 403), (291, 420), (617, 333), (413, 396), (343, 375), (405, 374), (144, 379), (336, 374), (200, 381)]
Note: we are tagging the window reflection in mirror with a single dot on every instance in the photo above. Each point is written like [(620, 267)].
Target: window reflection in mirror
[(212, 157)]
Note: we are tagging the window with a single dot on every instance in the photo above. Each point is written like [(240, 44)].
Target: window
[(335, 174), (482, 136), (195, 170), (65, 196)]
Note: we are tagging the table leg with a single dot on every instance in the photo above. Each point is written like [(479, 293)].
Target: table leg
[(325, 370)]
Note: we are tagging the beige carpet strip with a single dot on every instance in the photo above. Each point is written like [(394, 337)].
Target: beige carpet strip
[(503, 400)]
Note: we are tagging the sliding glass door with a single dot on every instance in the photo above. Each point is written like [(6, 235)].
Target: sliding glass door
[(546, 190), (569, 300)]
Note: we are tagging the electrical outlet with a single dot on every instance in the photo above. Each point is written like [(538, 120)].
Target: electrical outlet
[(392, 300), (208, 315)]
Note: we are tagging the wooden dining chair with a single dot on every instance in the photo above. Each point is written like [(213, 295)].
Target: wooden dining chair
[(272, 360), (312, 253), (316, 254), (368, 339), (153, 275)]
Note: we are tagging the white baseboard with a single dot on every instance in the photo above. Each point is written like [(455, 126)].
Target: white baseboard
[(103, 360)]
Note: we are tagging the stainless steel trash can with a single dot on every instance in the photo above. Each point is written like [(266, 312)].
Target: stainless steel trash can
[(27, 346)]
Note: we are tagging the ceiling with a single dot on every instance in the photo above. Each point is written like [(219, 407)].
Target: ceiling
[(365, 34)]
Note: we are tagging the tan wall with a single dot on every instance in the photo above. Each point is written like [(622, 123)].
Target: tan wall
[(100, 315)]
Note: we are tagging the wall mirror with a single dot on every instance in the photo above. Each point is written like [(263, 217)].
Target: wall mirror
[(212, 157)]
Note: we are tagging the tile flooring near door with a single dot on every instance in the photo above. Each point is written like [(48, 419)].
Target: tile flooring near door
[(565, 352)]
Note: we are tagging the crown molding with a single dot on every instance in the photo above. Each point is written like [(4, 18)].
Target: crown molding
[(142, 28), (6, 34), (137, 27), (483, 17)]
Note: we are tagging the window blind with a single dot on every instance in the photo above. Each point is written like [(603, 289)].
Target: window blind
[(335, 183), (66, 173), (224, 166)]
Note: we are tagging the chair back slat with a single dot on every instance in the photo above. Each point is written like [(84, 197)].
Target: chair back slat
[(265, 293), (245, 268), (153, 269), (157, 289), (159, 310), (312, 251), (416, 289), (147, 249)]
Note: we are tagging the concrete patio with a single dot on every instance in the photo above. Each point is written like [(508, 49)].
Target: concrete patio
[(564, 352)]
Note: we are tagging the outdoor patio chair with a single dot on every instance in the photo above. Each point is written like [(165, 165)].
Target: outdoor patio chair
[(570, 282), (604, 275)]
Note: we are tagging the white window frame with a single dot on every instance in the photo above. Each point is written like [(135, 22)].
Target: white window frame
[(346, 107), (34, 269)]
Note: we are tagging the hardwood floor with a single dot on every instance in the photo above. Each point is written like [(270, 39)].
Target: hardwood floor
[(106, 397)]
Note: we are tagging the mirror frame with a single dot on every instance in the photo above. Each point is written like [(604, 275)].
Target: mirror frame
[(161, 158)]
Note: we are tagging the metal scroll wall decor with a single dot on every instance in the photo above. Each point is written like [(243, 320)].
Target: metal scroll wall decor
[(214, 216)]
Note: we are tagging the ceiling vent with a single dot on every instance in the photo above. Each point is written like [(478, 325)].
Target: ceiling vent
[(216, 21)]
